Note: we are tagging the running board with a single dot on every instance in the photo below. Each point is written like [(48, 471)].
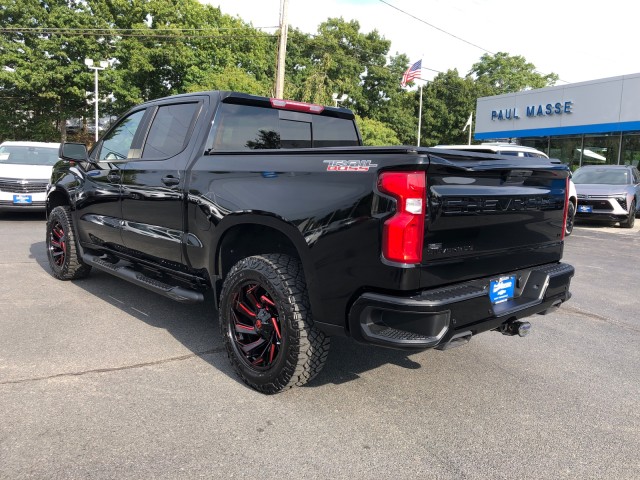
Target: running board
[(180, 294)]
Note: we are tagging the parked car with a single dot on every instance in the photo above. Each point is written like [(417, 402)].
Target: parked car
[(608, 193), (25, 171), (511, 149)]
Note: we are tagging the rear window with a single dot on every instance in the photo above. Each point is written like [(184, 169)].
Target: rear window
[(244, 127), (333, 132)]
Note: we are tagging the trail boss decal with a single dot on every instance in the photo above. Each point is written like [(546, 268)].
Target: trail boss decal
[(349, 165)]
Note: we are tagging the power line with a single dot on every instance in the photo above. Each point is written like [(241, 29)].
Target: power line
[(438, 28), (113, 29), (451, 34), (135, 33)]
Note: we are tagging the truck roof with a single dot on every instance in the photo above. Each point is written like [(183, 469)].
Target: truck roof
[(240, 98)]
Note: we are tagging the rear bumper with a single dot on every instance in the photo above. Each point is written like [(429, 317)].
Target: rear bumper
[(433, 318)]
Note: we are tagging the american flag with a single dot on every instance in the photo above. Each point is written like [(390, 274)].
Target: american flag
[(412, 72)]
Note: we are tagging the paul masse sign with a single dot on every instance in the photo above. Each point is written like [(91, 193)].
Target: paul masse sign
[(598, 106), (540, 110)]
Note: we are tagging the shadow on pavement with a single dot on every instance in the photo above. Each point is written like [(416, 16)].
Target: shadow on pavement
[(196, 327)]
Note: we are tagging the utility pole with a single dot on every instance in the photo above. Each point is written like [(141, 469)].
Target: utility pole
[(282, 49), (103, 64), (420, 116)]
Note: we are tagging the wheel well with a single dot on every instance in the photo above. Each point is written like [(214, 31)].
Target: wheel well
[(246, 240), (56, 199)]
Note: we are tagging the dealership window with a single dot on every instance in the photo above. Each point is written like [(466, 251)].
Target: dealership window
[(630, 154), (566, 149), (601, 149), (539, 143)]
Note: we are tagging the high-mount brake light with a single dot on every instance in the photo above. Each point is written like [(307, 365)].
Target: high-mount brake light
[(296, 106), (403, 233), (566, 209)]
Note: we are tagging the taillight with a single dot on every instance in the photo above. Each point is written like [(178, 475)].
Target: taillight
[(403, 234), (566, 209), (296, 106)]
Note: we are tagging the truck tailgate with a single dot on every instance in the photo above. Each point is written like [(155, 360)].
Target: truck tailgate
[(490, 214)]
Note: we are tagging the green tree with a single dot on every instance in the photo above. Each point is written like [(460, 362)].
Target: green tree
[(341, 59), (503, 73), (376, 133), (154, 47), (44, 80), (336, 60), (448, 101), (183, 45), (390, 103)]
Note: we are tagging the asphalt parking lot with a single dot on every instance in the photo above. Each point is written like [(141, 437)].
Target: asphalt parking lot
[(101, 379)]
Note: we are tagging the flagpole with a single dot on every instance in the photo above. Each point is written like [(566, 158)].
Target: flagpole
[(470, 127), (420, 115)]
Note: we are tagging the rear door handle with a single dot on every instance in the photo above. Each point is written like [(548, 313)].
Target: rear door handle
[(170, 180)]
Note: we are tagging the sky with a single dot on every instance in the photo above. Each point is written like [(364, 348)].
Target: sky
[(578, 40)]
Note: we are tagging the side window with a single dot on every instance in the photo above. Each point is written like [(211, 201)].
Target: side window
[(168, 133), (116, 145)]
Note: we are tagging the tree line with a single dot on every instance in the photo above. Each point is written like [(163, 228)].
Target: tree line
[(157, 48)]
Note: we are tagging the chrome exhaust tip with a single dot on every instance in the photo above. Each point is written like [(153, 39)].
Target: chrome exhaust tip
[(515, 327)]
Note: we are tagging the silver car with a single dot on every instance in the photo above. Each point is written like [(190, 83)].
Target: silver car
[(608, 192)]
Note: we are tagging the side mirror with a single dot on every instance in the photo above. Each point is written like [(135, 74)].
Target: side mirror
[(75, 152)]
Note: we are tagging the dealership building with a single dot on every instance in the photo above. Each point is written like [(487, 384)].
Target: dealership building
[(595, 122)]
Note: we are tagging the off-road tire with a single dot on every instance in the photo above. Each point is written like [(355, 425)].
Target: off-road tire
[(571, 216), (62, 250), (300, 350), (631, 219)]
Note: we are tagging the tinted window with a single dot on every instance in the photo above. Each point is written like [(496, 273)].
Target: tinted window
[(243, 127), (334, 132), (168, 134), (295, 134), (240, 127), (117, 143)]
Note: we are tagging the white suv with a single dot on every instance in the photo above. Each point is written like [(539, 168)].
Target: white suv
[(521, 151), (25, 171)]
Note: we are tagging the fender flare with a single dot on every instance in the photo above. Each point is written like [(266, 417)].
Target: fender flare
[(279, 224)]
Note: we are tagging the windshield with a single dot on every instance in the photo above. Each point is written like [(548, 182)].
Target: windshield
[(593, 176), (23, 155)]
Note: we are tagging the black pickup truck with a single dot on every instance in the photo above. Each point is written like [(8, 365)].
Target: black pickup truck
[(301, 233)]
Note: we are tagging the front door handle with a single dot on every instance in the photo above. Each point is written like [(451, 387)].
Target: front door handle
[(170, 180)]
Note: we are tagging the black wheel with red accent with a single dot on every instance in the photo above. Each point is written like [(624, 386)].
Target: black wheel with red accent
[(64, 259), (266, 323)]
